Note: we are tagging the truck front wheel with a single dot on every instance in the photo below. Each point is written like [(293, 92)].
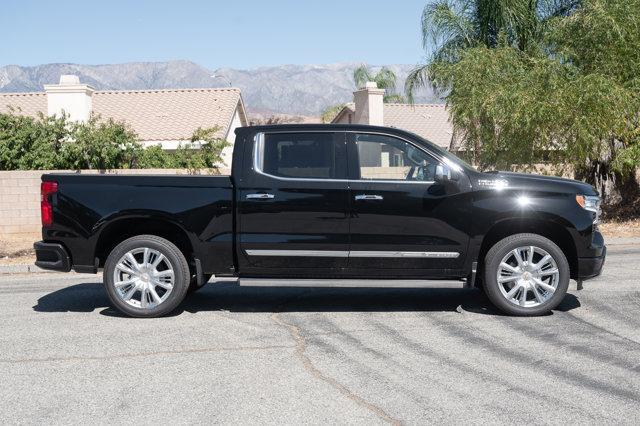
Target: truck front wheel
[(146, 276), (526, 275)]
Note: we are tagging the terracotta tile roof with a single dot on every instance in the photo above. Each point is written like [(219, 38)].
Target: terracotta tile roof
[(430, 121), (24, 103), (158, 115), (155, 115)]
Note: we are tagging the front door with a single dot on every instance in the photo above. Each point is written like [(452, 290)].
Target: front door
[(293, 205), (403, 221)]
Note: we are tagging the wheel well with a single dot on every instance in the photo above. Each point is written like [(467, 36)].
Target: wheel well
[(121, 230), (554, 232)]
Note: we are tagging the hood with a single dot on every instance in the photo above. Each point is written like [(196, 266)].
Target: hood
[(532, 182)]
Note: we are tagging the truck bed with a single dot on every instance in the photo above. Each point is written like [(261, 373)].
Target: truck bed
[(85, 206)]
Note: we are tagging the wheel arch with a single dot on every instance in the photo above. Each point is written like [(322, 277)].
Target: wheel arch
[(121, 229), (547, 228)]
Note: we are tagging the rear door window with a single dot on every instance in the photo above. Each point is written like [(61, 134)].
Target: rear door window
[(302, 155)]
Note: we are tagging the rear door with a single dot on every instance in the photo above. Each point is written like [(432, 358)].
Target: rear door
[(403, 221), (293, 204)]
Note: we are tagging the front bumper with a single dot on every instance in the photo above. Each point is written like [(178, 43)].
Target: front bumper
[(52, 256), (591, 267)]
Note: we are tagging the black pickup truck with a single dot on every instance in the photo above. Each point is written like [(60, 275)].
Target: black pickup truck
[(315, 205)]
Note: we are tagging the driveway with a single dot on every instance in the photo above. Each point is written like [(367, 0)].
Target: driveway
[(275, 355)]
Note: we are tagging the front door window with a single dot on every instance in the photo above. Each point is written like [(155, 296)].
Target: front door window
[(387, 158)]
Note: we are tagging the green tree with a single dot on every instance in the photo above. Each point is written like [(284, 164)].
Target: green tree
[(331, 112), (566, 86), (384, 78), (449, 27)]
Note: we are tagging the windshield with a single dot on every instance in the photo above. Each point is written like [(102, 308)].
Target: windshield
[(447, 154)]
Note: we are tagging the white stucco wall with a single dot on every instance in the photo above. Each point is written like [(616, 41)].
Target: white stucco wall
[(69, 97), (227, 153), (346, 118), (369, 105)]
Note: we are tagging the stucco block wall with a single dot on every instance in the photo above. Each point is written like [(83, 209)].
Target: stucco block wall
[(20, 198)]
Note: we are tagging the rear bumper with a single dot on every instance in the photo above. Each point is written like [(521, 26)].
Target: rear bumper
[(591, 267), (52, 256)]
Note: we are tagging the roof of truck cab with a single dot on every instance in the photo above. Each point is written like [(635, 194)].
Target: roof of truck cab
[(327, 127), (344, 128), (334, 127)]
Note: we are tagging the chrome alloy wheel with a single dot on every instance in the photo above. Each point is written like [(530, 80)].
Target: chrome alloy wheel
[(528, 276), (143, 278)]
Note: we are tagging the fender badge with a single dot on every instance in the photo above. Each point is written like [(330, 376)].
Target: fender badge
[(493, 183)]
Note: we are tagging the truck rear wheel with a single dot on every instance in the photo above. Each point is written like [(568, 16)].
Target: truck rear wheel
[(526, 275), (146, 276)]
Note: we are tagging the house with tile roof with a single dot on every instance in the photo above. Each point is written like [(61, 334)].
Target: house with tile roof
[(429, 121), (159, 117)]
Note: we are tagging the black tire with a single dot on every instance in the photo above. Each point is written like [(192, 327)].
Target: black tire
[(193, 285), (173, 255), (500, 250)]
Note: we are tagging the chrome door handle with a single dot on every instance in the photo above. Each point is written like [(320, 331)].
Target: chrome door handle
[(369, 197), (260, 196)]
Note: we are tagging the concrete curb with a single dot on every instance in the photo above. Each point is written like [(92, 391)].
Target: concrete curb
[(23, 268), (622, 241)]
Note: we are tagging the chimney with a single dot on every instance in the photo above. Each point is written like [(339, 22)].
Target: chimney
[(369, 105), (70, 97)]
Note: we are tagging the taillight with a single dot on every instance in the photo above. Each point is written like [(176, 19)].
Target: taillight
[(46, 209)]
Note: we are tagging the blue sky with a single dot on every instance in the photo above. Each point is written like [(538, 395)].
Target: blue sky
[(234, 33)]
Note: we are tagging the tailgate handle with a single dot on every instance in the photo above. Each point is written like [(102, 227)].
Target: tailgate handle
[(369, 197), (260, 196)]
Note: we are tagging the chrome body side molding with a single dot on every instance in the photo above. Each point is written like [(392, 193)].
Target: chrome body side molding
[(412, 254), (335, 253), (304, 253)]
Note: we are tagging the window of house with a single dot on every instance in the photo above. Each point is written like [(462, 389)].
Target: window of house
[(299, 155), (388, 158)]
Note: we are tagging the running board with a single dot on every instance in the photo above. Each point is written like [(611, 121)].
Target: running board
[(338, 282)]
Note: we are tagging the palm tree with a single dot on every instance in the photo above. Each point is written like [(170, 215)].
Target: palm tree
[(451, 26), (329, 113), (385, 79)]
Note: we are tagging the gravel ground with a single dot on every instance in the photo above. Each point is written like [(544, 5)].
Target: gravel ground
[(349, 356)]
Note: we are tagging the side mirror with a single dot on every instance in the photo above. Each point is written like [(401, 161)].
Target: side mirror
[(443, 173)]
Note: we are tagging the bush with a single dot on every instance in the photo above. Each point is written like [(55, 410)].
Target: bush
[(31, 143), (45, 143), (101, 145), (154, 157), (204, 151)]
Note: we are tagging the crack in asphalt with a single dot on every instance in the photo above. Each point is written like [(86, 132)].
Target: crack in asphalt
[(301, 348), (144, 354)]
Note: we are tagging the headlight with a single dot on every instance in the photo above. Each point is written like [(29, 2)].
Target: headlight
[(590, 203)]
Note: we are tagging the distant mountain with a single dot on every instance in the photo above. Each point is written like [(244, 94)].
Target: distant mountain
[(285, 89)]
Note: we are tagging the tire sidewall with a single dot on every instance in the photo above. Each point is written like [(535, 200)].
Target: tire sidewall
[(175, 258), (500, 249)]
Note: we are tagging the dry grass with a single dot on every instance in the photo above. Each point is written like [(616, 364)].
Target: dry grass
[(18, 250), (627, 228)]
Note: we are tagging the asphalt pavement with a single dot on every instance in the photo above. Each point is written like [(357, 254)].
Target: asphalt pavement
[(316, 356)]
